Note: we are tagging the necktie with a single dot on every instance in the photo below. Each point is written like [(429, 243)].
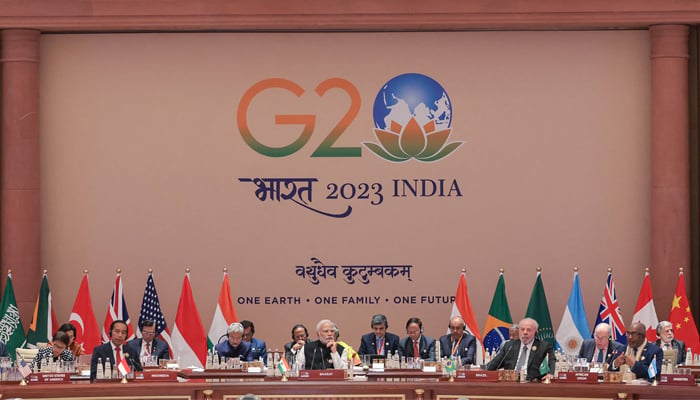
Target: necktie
[(380, 345), (521, 359), (667, 346), (600, 356), (416, 353), (118, 350), (146, 349)]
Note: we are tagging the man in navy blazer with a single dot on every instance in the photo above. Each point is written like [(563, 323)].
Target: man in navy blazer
[(417, 340), (601, 348), (639, 353), (148, 344), (258, 348), (234, 347), (118, 331), (379, 341), (664, 330), (509, 355), (458, 343)]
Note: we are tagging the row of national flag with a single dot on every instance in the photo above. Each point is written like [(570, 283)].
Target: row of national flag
[(187, 341), (574, 327)]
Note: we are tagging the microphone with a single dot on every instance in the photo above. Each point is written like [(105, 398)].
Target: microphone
[(314, 357), (505, 352), (128, 362)]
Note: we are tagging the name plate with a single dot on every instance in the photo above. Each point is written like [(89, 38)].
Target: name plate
[(677, 379), (50, 377), (322, 375), (156, 375), (577, 377), (477, 375)]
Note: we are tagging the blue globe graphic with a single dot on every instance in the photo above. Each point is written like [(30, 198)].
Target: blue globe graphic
[(409, 96)]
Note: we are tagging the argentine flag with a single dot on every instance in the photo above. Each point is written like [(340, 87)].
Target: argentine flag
[(574, 324)]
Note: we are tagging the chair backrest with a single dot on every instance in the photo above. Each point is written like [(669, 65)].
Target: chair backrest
[(26, 354)]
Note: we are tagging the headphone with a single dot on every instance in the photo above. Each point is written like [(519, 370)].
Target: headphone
[(233, 324), (118, 321), (464, 324), (415, 320), (297, 326), (379, 319)]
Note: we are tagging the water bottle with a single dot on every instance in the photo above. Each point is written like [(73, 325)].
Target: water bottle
[(100, 369)]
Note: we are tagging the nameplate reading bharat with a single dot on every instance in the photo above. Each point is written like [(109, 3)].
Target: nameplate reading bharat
[(363, 273)]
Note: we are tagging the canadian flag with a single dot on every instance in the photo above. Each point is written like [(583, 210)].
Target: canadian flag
[(188, 337), (645, 312)]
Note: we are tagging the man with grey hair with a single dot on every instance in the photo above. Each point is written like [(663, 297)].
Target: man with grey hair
[(324, 353), (664, 331), (526, 354), (601, 348), (234, 347), (379, 341)]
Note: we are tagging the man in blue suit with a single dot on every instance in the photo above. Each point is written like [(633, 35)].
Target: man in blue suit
[(664, 331), (416, 344), (234, 347), (639, 353), (257, 346), (601, 349), (148, 344), (379, 341), (458, 343)]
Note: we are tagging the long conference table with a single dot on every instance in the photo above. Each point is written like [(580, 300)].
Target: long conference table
[(379, 386)]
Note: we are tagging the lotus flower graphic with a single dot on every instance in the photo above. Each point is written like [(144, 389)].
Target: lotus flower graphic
[(412, 119)]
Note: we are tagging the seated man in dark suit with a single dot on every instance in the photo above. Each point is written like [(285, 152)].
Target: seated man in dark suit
[(113, 351), (639, 353), (458, 343), (148, 345), (379, 341), (234, 346), (601, 349), (664, 330), (526, 353), (258, 349), (300, 335), (416, 344), (324, 353)]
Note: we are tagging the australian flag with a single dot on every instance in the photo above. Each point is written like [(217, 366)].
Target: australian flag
[(610, 313), (150, 310)]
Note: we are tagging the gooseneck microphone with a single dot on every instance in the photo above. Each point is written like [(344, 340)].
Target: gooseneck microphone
[(313, 358)]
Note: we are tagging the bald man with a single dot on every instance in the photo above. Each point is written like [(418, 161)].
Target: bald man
[(458, 343)]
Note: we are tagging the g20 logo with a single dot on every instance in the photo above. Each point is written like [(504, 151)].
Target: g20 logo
[(412, 119)]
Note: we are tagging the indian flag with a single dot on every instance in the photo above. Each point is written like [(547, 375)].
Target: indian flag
[(283, 365), (188, 337), (224, 315)]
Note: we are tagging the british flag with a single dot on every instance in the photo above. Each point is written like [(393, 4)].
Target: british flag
[(117, 310), (610, 313)]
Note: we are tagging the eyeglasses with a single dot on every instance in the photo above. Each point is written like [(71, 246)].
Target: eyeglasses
[(144, 333)]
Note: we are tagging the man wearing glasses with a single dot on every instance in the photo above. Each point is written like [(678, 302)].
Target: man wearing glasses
[(148, 345), (601, 349), (639, 353)]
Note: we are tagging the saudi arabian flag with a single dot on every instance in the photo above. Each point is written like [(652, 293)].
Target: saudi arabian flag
[(11, 330), (44, 323), (539, 311)]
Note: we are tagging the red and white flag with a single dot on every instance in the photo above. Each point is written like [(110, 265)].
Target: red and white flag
[(462, 307), (117, 310), (123, 367), (83, 318), (188, 337), (645, 312), (682, 318)]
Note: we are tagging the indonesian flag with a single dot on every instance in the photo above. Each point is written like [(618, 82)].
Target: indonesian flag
[(462, 307), (189, 339), (224, 315), (645, 312), (123, 367), (83, 318)]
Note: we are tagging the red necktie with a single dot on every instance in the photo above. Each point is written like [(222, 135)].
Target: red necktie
[(416, 353), (119, 356)]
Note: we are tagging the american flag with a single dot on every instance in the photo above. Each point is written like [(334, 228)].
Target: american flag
[(117, 310), (24, 369), (150, 310), (609, 312)]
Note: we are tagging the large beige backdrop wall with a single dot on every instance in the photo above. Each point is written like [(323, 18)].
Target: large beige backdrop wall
[(142, 155)]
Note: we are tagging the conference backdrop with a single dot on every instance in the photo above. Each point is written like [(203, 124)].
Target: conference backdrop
[(338, 175)]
